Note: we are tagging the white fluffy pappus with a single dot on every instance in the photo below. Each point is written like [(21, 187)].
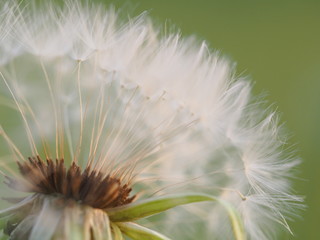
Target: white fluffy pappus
[(162, 114)]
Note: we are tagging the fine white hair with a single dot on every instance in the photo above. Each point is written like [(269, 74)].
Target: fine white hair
[(168, 113)]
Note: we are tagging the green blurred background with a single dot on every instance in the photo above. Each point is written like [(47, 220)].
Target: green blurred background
[(277, 45)]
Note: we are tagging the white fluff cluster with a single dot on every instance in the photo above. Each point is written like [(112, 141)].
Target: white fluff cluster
[(165, 112)]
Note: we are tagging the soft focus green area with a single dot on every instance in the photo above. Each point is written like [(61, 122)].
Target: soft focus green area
[(277, 45)]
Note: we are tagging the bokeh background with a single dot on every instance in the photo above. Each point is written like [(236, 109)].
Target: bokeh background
[(277, 45)]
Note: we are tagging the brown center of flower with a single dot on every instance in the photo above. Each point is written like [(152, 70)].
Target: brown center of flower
[(88, 187)]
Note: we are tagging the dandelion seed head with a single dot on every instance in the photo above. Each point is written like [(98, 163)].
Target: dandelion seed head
[(139, 112)]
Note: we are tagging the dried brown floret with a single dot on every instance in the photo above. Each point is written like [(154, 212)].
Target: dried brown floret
[(88, 187)]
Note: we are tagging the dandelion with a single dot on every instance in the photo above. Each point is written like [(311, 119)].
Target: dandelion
[(105, 123)]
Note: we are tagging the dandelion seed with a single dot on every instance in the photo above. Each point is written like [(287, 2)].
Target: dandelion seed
[(108, 119)]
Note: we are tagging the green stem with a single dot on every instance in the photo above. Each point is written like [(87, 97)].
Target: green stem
[(137, 232), (156, 205)]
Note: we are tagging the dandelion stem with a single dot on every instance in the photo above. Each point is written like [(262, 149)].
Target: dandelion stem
[(157, 205), (137, 232)]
